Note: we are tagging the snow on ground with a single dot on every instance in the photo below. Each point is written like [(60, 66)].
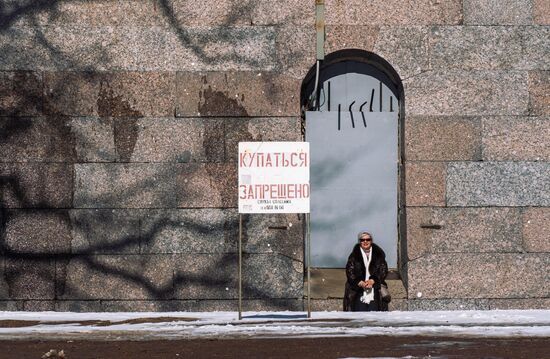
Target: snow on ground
[(173, 325)]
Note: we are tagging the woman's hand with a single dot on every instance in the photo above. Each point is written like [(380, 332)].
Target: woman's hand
[(363, 284), (369, 283)]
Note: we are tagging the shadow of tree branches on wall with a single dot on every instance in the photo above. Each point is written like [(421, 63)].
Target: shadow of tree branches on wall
[(65, 242)]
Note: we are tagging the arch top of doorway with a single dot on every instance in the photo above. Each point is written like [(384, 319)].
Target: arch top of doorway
[(352, 61)]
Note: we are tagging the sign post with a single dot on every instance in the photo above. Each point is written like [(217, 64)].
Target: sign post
[(274, 178)]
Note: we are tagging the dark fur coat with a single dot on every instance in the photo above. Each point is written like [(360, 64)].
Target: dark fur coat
[(355, 272)]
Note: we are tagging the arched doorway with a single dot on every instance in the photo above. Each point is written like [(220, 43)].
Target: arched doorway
[(353, 123)]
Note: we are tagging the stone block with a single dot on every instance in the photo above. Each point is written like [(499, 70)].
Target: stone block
[(240, 94), (393, 12), (120, 94), (256, 305), (136, 185), (325, 305), (498, 12), (340, 37), (236, 13), (205, 276), (418, 238), (536, 46), (272, 276), (295, 50), (536, 229), (463, 230), (36, 140), (148, 306), (467, 93), (189, 231), (11, 305), (94, 139), (541, 12), (442, 138), (4, 287), (478, 276), (259, 129), (146, 13), (539, 92), (425, 183), (516, 139), (522, 304), (105, 231), (448, 304), (398, 305), (207, 185), (405, 48), (476, 47), (138, 48), (20, 93), (30, 278), (78, 306), (173, 140), (275, 233), (39, 306), (37, 232), (498, 184), (42, 185), (115, 277)]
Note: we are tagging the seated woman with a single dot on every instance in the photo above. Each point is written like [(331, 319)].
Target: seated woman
[(366, 271)]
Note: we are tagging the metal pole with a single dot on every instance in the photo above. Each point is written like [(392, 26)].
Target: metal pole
[(308, 266), (240, 267)]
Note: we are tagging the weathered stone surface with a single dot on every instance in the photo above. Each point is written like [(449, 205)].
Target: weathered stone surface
[(418, 239), (237, 94), (30, 278), (393, 12), (234, 12), (4, 288), (498, 184), (78, 306), (38, 305), (121, 94), (277, 233), (469, 230), (36, 139), (506, 304), (11, 305), (539, 92), (536, 229), (272, 276), (105, 231), (536, 44), (207, 185), (448, 304), (516, 139), (467, 93), (138, 48), (259, 129), (405, 48), (541, 12), (94, 139), (176, 140), (43, 185), (148, 305), (136, 185), (325, 305), (472, 275), (20, 93), (256, 305), (37, 232), (442, 138), (425, 183), (340, 37), (498, 12), (401, 305), (189, 231), (476, 47), (115, 277), (295, 50), (205, 276)]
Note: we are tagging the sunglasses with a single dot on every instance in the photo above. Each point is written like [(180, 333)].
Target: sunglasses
[(365, 240)]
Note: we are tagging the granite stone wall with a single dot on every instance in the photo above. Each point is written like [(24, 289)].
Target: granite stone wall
[(119, 125)]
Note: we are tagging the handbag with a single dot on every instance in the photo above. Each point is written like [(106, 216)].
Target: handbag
[(385, 293)]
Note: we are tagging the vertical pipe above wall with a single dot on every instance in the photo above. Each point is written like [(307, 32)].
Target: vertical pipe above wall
[(320, 28)]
